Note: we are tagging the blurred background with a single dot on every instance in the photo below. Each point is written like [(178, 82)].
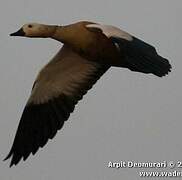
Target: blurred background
[(126, 116)]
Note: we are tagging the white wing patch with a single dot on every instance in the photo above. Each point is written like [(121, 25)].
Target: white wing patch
[(110, 31)]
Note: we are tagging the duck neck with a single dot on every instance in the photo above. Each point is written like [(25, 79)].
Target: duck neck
[(59, 34)]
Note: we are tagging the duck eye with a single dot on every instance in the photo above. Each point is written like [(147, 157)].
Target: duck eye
[(30, 26)]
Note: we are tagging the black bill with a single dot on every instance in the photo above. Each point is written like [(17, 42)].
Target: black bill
[(18, 33)]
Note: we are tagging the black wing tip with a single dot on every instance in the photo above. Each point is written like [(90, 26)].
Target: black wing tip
[(165, 68), (8, 157), (13, 163), (45, 120), (142, 57), (14, 159)]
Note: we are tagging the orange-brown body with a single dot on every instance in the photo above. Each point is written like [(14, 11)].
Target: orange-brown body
[(91, 44)]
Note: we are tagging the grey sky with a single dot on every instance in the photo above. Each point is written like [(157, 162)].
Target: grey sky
[(126, 116)]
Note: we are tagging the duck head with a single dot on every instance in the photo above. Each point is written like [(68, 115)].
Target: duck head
[(35, 30)]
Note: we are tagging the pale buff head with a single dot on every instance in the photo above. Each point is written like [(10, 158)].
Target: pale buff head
[(35, 30)]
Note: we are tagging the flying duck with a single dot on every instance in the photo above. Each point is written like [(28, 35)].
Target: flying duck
[(89, 50)]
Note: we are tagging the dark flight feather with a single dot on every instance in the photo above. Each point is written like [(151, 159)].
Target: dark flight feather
[(141, 57), (40, 122)]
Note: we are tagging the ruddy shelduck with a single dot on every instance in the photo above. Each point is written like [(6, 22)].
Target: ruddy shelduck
[(89, 50)]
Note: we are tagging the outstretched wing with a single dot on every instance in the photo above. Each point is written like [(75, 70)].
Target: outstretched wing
[(136, 54), (56, 91), (141, 57)]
